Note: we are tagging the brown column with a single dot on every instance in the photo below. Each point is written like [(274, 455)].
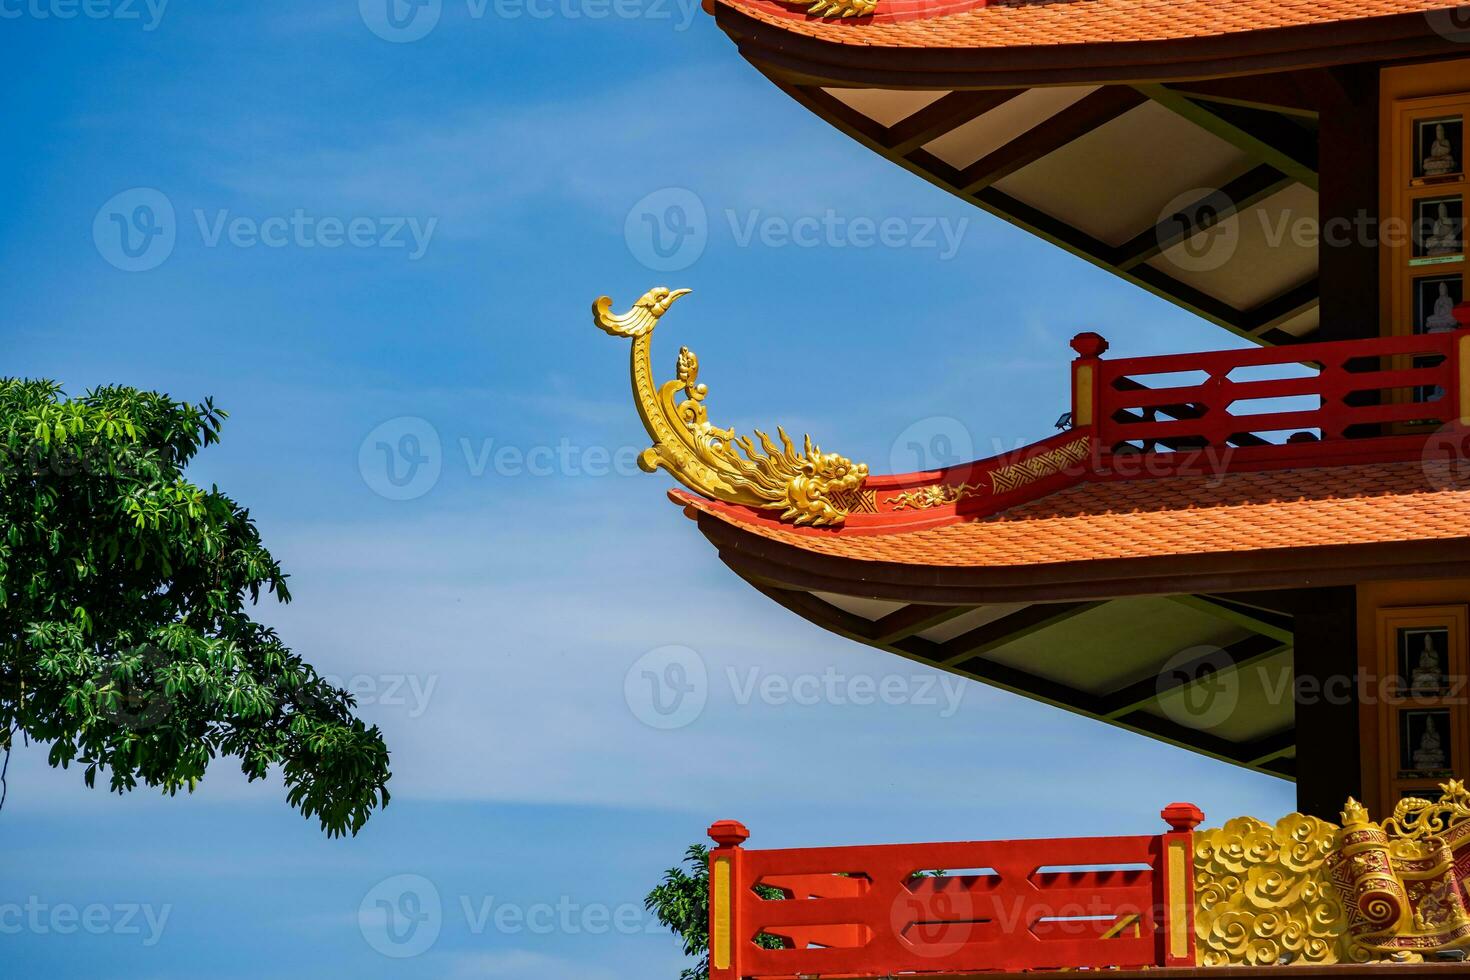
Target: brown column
[(1348, 204), (1327, 732)]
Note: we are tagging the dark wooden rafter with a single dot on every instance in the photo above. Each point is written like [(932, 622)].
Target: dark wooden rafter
[(1009, 628), (1237, 656), (1278, 626), (1288, 93), (1267, 137), (1240, 194), (1270, 747), (1072, 123), (976, 184), (1270, 315), (1125, 708), (914, 618), (942, 116), (1277, 608)]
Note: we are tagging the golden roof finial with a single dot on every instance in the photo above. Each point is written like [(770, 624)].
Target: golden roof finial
[(807, 487)]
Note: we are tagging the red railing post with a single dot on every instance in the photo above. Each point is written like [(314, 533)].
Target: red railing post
[(726, 886), (1086, 381), (1178, 890)]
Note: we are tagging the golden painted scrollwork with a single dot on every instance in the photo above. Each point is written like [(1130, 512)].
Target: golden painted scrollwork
[(806, 487), (1263, 894), (1017, 475), (1003, 479), (1408, 875), (1417, 820), (936, 495)]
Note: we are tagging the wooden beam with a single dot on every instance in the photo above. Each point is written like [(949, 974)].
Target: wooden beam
[(1154, 280), (1022, 682), (1284, 603), (915, 618), (1281, 93), (1240, 194), (1269, 748), (942, 116), (1268, 137), (1013, 679), (818, 611), (1226, 660), (1192, 739), (1277, 626), (983, 639), (1031, 219), (1195, 300), (1050, 135), (1279, 309)]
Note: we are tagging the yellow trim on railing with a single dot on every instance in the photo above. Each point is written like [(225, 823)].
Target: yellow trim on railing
[(719, 934), (1465, 380), (1178, 857), (1083, 398)]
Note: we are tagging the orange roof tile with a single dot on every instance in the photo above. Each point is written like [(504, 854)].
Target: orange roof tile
[(1022, 23), (1303, 508)]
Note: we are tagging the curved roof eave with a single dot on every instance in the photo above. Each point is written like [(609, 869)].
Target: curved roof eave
[(798, 56)]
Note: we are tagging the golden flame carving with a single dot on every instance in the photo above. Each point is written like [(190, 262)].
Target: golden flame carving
[(807, 487)]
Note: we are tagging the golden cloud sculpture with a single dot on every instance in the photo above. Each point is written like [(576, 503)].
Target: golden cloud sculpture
[(807, 487), (1308, 891)]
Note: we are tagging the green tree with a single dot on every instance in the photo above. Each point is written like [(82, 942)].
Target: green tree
[(127, 645), (681, 904)]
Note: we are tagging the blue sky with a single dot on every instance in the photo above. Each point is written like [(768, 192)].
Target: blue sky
[(491, 619)]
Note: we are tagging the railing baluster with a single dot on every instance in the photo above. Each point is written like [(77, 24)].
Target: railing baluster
[(869, 918), (1126, 409)]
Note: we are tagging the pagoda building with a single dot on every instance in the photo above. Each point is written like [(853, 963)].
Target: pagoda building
[(1261, 555)]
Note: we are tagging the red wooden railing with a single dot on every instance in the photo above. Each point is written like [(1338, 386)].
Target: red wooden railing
[(1024, 905), (1377, 398)]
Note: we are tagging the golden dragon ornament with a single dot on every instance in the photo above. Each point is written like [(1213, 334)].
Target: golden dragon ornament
[(806, 487), (842, 8)]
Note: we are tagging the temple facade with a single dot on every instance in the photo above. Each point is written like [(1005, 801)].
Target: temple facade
[(1203, 532)]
